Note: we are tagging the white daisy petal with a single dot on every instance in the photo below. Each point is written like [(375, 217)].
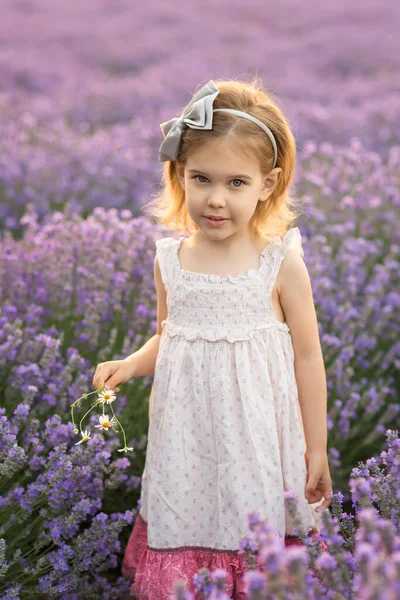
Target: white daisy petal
[(85, 436), (107, 396)]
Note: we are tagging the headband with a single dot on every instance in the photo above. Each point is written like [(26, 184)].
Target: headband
[(199, 115)]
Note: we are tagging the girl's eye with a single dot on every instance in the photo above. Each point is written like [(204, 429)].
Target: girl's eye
[(202, 176)]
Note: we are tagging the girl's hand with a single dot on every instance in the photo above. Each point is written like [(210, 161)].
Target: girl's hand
[(112, 373), (319, 482)]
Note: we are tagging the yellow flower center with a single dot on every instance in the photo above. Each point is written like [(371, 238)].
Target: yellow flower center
[(85, 439), (107, 396), (106, 424)]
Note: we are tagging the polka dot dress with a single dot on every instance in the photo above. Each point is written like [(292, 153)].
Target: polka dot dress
[(225, 428)]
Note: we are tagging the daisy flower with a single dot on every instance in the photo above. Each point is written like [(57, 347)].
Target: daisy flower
[(126, 449), (85, 436), (105, 422), (106, 396)]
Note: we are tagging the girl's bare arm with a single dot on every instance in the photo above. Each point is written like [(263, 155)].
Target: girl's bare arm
[(143, 361)]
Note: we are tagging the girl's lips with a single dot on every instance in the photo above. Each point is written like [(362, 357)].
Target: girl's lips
[(216, 222)]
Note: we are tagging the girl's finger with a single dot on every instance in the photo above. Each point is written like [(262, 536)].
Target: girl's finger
[(325, 504)]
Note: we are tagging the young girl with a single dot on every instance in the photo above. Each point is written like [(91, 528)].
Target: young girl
[(238, 402)]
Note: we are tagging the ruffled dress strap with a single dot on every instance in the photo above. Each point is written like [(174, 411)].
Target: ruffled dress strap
[(291, 240), (165, 249)]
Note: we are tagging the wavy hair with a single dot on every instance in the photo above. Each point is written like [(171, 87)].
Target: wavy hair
[(279, 212)]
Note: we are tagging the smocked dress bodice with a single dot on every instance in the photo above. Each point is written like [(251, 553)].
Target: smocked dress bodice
[(214, 308)]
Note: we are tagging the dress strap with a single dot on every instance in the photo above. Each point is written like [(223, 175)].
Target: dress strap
[(291, 240), (165, 249), (278, 247)]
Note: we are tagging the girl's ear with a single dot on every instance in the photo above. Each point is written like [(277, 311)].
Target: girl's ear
[(270, 182)]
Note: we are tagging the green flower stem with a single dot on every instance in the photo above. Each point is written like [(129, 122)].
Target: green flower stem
[(26, 579), (28, 556), (20, 511), (22, 478), (15, 540), (77, 403), (90, 410), (123, 432), (33, 550)]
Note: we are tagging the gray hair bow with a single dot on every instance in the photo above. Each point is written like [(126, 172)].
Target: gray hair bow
[(199, 115)]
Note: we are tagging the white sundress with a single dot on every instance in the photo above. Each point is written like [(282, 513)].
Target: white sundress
[(225, 429)]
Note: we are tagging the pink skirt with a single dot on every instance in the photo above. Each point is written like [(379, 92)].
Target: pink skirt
[(153, 571)]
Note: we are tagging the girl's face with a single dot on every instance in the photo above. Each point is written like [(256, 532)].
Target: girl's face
[(219, 181)]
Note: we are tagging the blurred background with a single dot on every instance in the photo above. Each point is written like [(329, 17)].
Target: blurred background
[(83, 89), (84, 85)]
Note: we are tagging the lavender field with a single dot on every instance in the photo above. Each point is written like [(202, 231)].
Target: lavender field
[(83, 88)]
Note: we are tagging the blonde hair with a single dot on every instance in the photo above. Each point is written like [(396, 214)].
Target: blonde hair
[(279, 212)]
